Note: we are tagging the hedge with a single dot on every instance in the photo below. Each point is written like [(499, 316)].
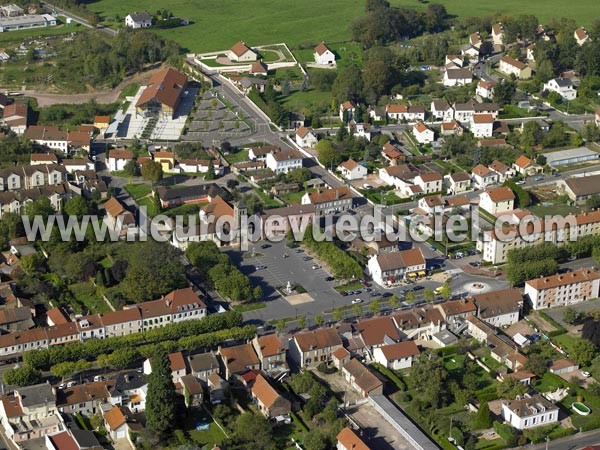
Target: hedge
[(390, 375)]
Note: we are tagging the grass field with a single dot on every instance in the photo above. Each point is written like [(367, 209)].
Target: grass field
[(218, 24)]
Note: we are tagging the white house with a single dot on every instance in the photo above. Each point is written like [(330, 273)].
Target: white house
[(497, 200), (347, 110), (458, 60), (504, 172), (511, 66), (563, 289), (431, 204), (475, 40), (390, 268), (451, 128), (526, 166), (324, 55), (351, 170), (464, 111), (530, 412), (240, 52), (482, 125), (422, 134), (138, 20), (531, 53), (498, 34), (485, 89), (562, 86), (176, 362), (458, 182), (117, 159), (482, 176), (441, 110), (284, 161), (397, 356), (429, 182), (116, 423), (305, 137), (581, 36), (457, 77)]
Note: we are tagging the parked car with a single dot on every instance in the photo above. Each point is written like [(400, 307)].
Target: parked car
[(386, 295), (356, 301), (98, 378), (539, 178), (586, 374), (329, 278), (307, 258), (367, 186), (71, 384), (418, 288), (366, 283), (61, 386), (265, 246), (520, 182), (298, 250), (344, 293), (374, 294), (260, 267), (315, 267), (475, 264)]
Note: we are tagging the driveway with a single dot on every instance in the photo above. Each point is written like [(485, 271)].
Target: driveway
[(380, 434)]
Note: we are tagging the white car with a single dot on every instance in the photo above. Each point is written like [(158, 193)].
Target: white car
[(98, 378), (356, 301), (520, 182), (586, 374), (367, 186), (315, 267), (61, 386), (71, 383)]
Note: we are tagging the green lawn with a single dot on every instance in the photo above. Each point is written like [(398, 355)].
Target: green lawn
[(38, 32), (149, 204), (85, 293), (554, 210), (138, 190), (309, 100), (295, 198), (240, 156), (218, 24), (209, 438)]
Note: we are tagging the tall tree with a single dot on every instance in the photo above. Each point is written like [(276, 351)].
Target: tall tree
[(160, 399), (152, 171)]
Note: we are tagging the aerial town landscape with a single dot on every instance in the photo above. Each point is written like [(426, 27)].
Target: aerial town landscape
[(295, 225)]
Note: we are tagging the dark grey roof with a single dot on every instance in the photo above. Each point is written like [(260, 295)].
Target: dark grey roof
[(172, 193), (139, 17), (38, 394), (203, 361), (563, 82), (128, 381), (85, 439)]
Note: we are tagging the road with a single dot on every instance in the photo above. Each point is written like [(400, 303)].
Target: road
[(78, 19), (576, 442)]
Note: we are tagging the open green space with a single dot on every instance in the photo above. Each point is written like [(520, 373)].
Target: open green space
[(239, 156), (85, 294), (217, 25), (211, 437), (138, 190), (38, 32)]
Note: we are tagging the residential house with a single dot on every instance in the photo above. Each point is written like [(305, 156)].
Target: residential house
[(162, 95), (375, 332), (563, 289), (457, 60), (48, 136), (278, 221), (482, 125), (580, 189), (405, 112), (192, 390), (117, 159), (176, 363), (470, 52), (497, 200), (117, 217), (361, 379), (30, 413), (392, 154), (347, 439), (259, 68), (77, 164), (217, 388), (305, 137), (562, 367), (475, 40), (116, 423), (240, 52), (422, 133), (268, 401), (581, 36), (122, 322), (166, 160), (86, 398), (457, 183), (56, 316), (309, 348), (347, 111), (441, 110), (526, 166), (498, 34), (284, 161), (271, 352), (483, 176), (397, 356), (351, 170), (499, 308), (431, 204), (511, 66), (323, 55), (419, 323), (485, 89), (457, 77), (429, 182), (330, 201), (362, 130), (101, 122), (138, 20), (15, 117), (202, 365), (455, 310), (504, 172), (530, 412), (376, 114), (451, 128), (563, 87), (464, 111), (129, 389), (238, 359), (390, 268), (43, 158)]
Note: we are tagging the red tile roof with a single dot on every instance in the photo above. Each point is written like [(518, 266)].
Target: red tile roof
[(165, 87)]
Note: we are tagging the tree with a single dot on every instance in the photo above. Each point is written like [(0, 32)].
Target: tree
[(348, 84), (583, 352), (531, 135), (301, 321), (394, 302), (252, 432), (33, 263), (152, 171), (410, 297), (510, 388), (503, 92), (338, 314), (210, 174), (316, 440), (319, 319), (357, 310), (536, 363), (22, 376), (131, 168), (77, 206), (326, 153), (257, 292), (445, 290), (570, 316), (483, 418), (429, 295), (374, 306), (427, 375), (41, 207), (160, 398)]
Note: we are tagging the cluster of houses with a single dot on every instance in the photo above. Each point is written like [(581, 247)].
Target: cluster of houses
[(267, 162)]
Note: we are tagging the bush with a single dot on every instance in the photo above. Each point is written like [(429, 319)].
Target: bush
[(506, 432), (324, 368)]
